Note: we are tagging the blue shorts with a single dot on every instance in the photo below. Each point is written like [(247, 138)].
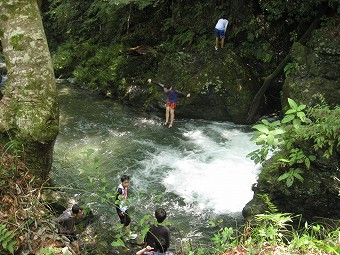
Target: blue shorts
[(219, 33)]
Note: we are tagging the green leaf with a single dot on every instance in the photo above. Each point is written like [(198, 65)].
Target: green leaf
[(283, 160), (275, 123), (10, 246), (266, 122), (270, 139), (292, 103), (261, 138), (278, 131), (283, 176), (262, 128), (307, 162), (290, 111), (298, 176), (289, 181), (301, 115), (118, 243), (312, 157), (301, 107), (288, 118), (289, 145), (296, 123)]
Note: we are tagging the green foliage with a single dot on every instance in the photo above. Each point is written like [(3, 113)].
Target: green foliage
[(49, 251), (271, 207), (290, 67), (272, 231), (316, 237), (224, 239), (270, 227), (300, 137), (290, 176), (7, 239)]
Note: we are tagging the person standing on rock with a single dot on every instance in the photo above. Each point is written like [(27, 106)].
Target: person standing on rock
[(220, 29), (171, 101), (66, 223)]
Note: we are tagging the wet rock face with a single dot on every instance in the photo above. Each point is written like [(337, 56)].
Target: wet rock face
[(315, 69), (316, 197), (221, 86)]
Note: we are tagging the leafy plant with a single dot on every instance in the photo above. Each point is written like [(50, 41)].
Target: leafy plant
[(290, 67), (223, 239), (7, 239), (300, 136), (290, 176)]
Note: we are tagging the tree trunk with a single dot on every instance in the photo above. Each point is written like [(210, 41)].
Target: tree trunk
[(268, 80), (29, 108)]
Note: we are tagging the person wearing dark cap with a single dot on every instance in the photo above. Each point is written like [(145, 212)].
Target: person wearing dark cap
[(66, 223)]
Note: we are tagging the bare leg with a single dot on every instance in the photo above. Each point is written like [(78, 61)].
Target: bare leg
[(167, 110), (172, 116), (216, 43), (222, 42)]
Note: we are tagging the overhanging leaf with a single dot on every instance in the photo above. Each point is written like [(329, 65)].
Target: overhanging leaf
[(292, 103), (287, 118), (262, 128)]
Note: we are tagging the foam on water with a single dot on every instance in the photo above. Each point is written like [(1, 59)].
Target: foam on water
[(210, 170)]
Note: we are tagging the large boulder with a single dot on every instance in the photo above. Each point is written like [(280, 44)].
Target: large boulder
[(221, 86), (316, 196), (313, 72), (315, 69)]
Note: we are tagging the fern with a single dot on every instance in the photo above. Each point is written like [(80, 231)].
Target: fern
[(7, 239), (271, 207)]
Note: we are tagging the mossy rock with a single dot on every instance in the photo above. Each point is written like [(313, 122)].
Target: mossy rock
[(220, 84), (316, 196), (317, 69)]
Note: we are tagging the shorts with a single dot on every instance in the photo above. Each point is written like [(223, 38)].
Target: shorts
[(219, 33), (124, 218), (171, 105)]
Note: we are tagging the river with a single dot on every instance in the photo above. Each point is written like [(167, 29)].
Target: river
[(197, 170)]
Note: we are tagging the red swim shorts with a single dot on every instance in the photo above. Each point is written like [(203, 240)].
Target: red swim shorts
[(172, 105)]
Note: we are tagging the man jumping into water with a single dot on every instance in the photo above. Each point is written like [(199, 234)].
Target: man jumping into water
[(171, 101)]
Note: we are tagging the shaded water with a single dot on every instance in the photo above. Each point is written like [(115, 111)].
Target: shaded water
[(198, 167)]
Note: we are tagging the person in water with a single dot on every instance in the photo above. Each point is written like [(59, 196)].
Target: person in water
[(66, 225), (220, 30), (171, 101), (158, 236), (121, 204)]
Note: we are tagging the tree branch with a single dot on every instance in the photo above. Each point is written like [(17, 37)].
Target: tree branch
[(268, 80)]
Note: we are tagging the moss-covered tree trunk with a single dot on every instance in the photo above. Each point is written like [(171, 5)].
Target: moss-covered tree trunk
[(28, 108)]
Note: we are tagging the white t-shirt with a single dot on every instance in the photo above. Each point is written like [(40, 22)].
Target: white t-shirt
[(222, 24)]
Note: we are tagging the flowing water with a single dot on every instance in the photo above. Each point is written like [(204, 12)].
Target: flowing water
[(197, 171)]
